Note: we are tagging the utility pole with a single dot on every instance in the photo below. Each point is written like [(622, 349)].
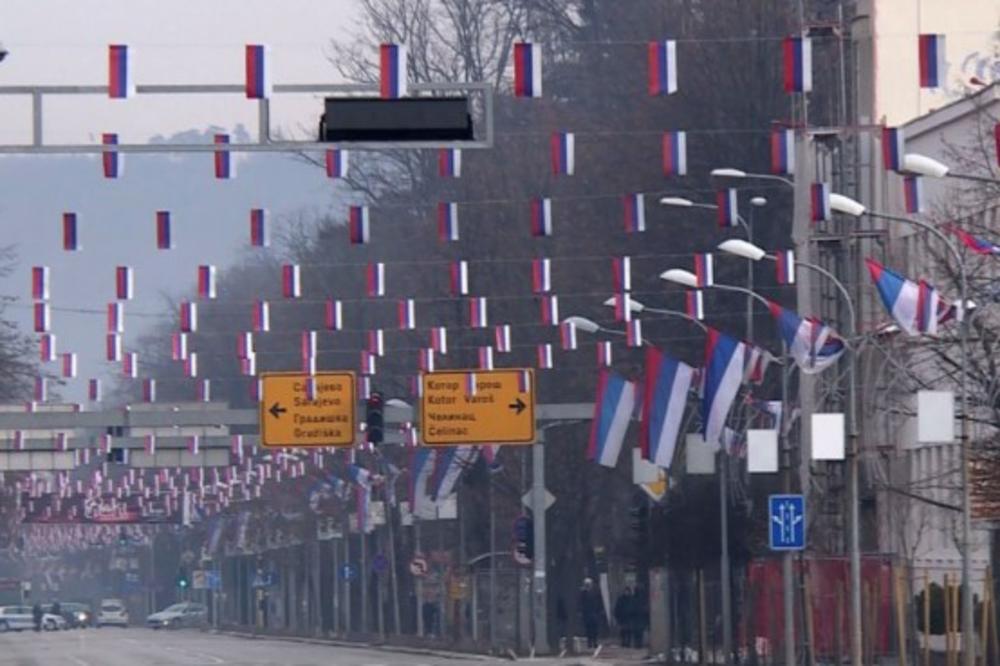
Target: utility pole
[(539, 561)]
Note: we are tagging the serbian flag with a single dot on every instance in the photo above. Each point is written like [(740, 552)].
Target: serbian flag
[(459, 277), (726, 203), (624, 307), (259, 233), (149, 390), (550, 310), (123, 283), (189, 317), (527, 70), (258, 74), (447, 221), (633, 333), (812, 344), (113, 347), (893, 147), (111, 159), (248, 366), (47, 347), (567, 335), (120, 83), (439, 339), (69, 365), (407, 314), (375, 279), (334, 315), (71, 239), (486, 358), (755, 367), (544, 354), (477, 312), (244, 345), (819, 202), (358, 225), (206, 281), (426, 360), (931, 55), (723, 376), (41, 395), (308, 344), (916, 307), (704, 269), (392, 71), (694, 304), (191, 365), (179, 347), (662, 70), (621, 273), (541, 217), (541, 276), (163, 240), (784, 262), (782, 151), (261, 316), (634, 208), (450, 162), (94, 390), (224, 168), (913, 194), (422, 467), (798, 66), (613, 409), (501, 338), (337, 161), (376, 341), (977, 245), (604, 353), (291, 281), (130, 364), (40, 283), (665, 394), (563, 151), (675, 153)]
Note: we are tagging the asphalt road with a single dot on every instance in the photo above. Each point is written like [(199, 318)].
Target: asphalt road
[(145, 647)]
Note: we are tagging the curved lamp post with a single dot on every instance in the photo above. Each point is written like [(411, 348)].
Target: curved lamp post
[(921, 165), (738, 174), (636, 306)]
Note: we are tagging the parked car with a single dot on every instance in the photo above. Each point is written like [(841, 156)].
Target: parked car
[(112, 613), (16, 618), (53, 622), (77, 615), (186, 614)]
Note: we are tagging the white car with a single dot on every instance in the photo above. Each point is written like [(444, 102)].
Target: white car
[(52, 622), (112, 613), (185, 614), (16, 618)]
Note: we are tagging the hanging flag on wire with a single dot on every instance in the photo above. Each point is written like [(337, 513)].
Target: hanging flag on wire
[(621, 273), (206, 281), (407, 314), (931, 52), (189, 317), (550, 309), (71, 239), (486, 358), (913, 194), (545, 356), (665, 395), (723, 377), (916, 307), (563, 150), (704, 269), (450, 162), (439, 339), (613, 410), (69, 365), (567, 335), (819, 202), (501, 338), (358, 225), (541, 276), (179, 346), (163, 237), (977, 245), (675, 153), (633, 333), (392, 71), (798, 64), (130, 364), (291, 281), (149, 390), (258, 72), (784, 262), (47, 347), (541, 217), (662, 68), (375, 279), (120, 83), (41, 395), (376, 341), (40, 283), (694, 304), (782, 151), (756, 363), (124, 283), (813, 344), (893, 148), (527, 70), (113, 347), (111, 160), (459, 277), (604, 353), (634, 207), (260, 235), (477, 312), (94, 390), (224, 167), (261, 316), (337, 162), (426, 360), (727, 207), (447, 221)]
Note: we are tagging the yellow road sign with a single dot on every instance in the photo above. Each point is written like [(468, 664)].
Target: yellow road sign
[(289, 418), (501, 409)]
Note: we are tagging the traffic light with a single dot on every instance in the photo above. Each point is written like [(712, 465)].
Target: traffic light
[(374, 424), (182, 579)]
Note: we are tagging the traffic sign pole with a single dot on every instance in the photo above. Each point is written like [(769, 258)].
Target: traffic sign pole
[(539, 560)]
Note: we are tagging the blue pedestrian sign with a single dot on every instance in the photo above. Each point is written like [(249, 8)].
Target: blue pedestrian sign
[(787, 522), (348, 572)]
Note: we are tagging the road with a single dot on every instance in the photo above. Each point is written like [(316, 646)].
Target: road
[(145, 647)]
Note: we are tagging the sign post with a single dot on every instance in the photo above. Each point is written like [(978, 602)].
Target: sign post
[(787, 522), (478, 407), (288, 417)]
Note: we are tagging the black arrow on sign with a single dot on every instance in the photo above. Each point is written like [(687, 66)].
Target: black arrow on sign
[(277, 410), (518, 406)]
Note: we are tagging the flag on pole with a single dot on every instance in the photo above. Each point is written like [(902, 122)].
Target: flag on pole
[(477, 312), (124, 283), (977, 245), (47, 347), (634, 206), (916, 307), (113, 347), (723, 376), (163, 239), (541, 217), (893, 148), (40, 283), (206, 281), (613, 410), (798, 64), (527, 70), (819, 202), (545, 356), (813, 344), (261, 317), (447, 221), (179, 346), (694, 304), (567, 335), (258, 72), (111, 160), (189, 317), (604, 353), (375, 279), (224, 168), (913, 194), (665, 394), (120, 83), (727, 207), (675, 153), (291, 281), (621, 273), (259, 233), (450, 162), (633, 333), (662, 69), (541, 276), (563, 153), (931, 53), (337, 163), (704, 269), (71, 239), (550, 309), (459, 278), (69, 365), (501, 338), (439, 339), (407, 314), (358, 225), (782, 151), (392, 71)]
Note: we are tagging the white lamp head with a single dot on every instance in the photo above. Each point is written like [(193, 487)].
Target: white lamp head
[(681, 277), (727, 172), (583, 324), (846, 205), (924, 166), (742, 248), (758, 202), (676, 201), (633, 305)]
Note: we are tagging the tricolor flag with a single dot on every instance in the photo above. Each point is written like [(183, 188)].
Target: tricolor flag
[(439, 339), (426, 360), (567, 335), (308, 344), (193, 446), (224, 168), (501, 338), (634, 206), (662, 70), (375, 279), (130, 364), (447, 221), (931, 56), (916, 307), (163, 240), (621, 273), (367, 362), (562, 147), (41, 394), (364, 387), (40, 283), (633, 333), (694, 304), (613, 409), (206, 281), (244, 345), (486, 358), (545, 356), (358, 225), (813, 344), (392, 71), (421, 471), (291, 281), (376, 341), (727, 207), (819, 202), (47, 347), (191, 365), (450, 162), (675, 153), (527, 70), (477, 312), (470, 384), (179, 346), (261, 316), (623, 307), (704, 269), (248, 367), (113, 347), (913, 194), (782, 151), (541, 275), (604, 353), (449, 469), (69, 365), (784, 262), (798, 66), (111, 159), (666, 389), (723, 376), (259, 233), (43, 318), (71, 239), (550, 310), (120, 83), (94, 390), (977, 245), (258, 72), (334, 315), (149, 390), (124, 283), (407, 314), (755, 364), (459, 277), (189, 317), (337, 163), (893, 147), (541, 217)]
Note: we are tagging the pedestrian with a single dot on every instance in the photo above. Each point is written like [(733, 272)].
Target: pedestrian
[(640, 616), (562, 618), (37, 613), (590, 611), (625, 615)]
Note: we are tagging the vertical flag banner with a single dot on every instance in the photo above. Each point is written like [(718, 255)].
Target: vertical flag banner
[(224, 168), (694, 304), (41, 395), (782, 151), (427, 360), (111, 159), (784, 262), (376, 341), (113, 347), (797, 53), (450, 162), (447, 221), (69, 365), (291, 281), (392, 71), (621, 273), (261, 316), (40, 283), (501, 338), (206, 281), (893, 147), (179, 346), (819, 202), (47, 347), (337, 163), (459, 278), (309, 342), (191, 365), (704, 269), (545, 356), (486, 358), (149, 390), (541, 276), (567, 335), (94, 390), (244, 345), (124, 283), (727, 207), (130, 365), (931, 56), (541, 217), (662, 68), (71, 239), (550, 310), (439, 339), (189, 317), (477, 312), (723, 378), (675, 154), (613, 410), (634, 208), (563, 152), (624, 307), (665, 394), (604, 353), (358, 225), (913, 194), (163, 239), (527, 70), (407, 314), (258, 74), (260, 235), (120, 83), (334, 315), (375, 279), (633, 333)]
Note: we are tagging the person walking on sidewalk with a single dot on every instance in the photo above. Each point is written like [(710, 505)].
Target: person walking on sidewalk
[(590, 611), (625, 615)]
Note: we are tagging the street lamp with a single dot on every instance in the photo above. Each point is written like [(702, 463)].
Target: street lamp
[(739, 174), (849, 206), (921, 165), (636, 306)]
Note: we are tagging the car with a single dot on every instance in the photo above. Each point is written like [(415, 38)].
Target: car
[(53, 622), (185, 614), (77, 615), (16, 618), (112, 613)]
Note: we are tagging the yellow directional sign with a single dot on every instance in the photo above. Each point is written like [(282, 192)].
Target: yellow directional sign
[(289, 418), (500, 409)]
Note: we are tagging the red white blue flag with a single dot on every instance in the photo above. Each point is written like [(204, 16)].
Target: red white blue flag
[(977, 245), (550, 310), (291, 281), (337, 162), (486, 358), (694, 304), (527, 70), (426, 360), (621, 272), (913, 194), (189, 317), (47, 347), (113, 347), (203, 390), (784, 262), (375, 279), (604, 353), (179, 346), (71, 239), (613, 408), (450, 162), (308, 344), (439, 339), (124, 283), (224, 168), (477, 312), (932, 65), (727, 207), (819, 202), (459, 277), (541, 217), (916, 307), (258, 74), (260, 235), (563, 153), (392, 71), (447, 221), (111, 159), (567, 335), (191, 365), (40, 283), (544, 354), (130, 364), (624, 307), (334, 315), (69, 365), (634, 208), (813, 344), (893, 148), (704, 269), (723, 377), (666, 387), (206, 281), (358, 225), (120, 83), (407, 311), (675, 153), (662, 68), (633, 333), (41, 395), (798, 64), (163, 239), (94, 390), (149, 390), (782, 151), (244, 345), (541, 275), (501, 338), (261, 318)]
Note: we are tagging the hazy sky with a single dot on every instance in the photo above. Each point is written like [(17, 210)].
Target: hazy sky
[(175, 41)]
